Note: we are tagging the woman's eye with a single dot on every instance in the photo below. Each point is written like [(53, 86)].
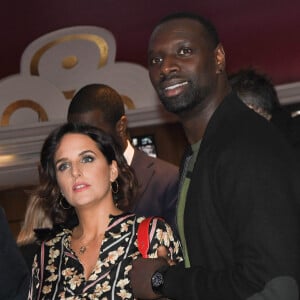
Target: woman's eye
[(62, 167), (87, 159), (185, 51)]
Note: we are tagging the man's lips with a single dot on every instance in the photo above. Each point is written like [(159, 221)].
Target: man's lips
[(172, 89), (175, 86)]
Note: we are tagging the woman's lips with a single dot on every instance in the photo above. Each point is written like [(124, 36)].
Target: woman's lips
[(80, 186)]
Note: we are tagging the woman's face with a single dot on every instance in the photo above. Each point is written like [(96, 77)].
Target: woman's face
[(82, 172)]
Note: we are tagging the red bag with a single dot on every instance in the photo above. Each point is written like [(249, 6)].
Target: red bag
[(143, 237)]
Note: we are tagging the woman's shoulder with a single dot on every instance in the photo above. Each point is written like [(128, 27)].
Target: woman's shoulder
[(155, 226), (152, 221), (127, 220), (56, 236)]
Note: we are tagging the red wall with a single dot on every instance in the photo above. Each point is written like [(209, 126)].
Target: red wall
[(254, 32)]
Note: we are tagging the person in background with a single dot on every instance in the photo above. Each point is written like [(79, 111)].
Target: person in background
[(87, 184), (296, 132), (101, 106), (14, 275), (257, 91), (238, 209), (37, 224)]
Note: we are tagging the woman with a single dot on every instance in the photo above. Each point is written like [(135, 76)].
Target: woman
[(88, 185)]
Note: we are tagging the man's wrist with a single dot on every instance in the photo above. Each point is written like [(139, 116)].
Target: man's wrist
[(158, 279)]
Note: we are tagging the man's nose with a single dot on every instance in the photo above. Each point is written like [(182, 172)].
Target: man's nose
[(168, 66)]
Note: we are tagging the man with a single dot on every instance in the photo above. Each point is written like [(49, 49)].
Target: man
[(14, 276), (257, 91), (238, 209), (101, 106)]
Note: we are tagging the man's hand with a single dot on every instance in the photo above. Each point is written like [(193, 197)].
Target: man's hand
[(141, 274)]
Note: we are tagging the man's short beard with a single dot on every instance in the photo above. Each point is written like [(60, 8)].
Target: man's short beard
[(185, 101)]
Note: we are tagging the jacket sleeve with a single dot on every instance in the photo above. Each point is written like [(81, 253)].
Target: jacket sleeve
[(14, 275), (170, 200)]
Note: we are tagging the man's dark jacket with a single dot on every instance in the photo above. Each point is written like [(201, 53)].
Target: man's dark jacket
[(158, 187), (242, 219), (14, 274)]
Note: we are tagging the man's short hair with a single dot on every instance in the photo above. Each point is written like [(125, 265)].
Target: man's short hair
[(255, 89), (210, 29), (98, 97)]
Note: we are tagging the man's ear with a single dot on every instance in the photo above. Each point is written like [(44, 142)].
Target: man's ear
[(121, 127), (220, 59)]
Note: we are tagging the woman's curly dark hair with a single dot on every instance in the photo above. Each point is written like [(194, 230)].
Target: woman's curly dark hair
[(49, 191)]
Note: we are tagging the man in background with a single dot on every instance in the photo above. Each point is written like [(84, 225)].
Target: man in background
[(257, 91), (101, 106)]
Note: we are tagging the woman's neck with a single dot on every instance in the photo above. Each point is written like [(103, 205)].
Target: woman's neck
[(94, 221)]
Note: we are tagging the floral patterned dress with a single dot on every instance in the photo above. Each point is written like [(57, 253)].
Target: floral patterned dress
[(58, 274)]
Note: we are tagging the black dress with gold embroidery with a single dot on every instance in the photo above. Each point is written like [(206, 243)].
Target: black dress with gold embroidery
[(58, 274)]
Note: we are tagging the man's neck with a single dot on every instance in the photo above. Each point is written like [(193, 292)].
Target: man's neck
[(195, 122)]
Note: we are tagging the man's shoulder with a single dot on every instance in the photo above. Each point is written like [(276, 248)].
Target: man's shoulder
[(141, 157)]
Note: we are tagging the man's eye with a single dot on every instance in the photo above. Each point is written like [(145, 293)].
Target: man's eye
[(155, 60), (185, 51), (87, 159), (62, 167)]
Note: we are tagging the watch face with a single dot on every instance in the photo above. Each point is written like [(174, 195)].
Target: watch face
[(157, 280)]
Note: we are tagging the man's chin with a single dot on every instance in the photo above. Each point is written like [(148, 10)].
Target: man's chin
[(173, 107)]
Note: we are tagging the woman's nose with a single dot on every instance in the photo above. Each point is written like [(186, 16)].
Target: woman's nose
[(76, 171)]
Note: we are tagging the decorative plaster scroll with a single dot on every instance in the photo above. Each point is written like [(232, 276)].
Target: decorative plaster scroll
[(42, 115)]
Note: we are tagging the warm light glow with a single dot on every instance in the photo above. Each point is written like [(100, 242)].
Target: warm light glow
[(5, 159), (295, 113)]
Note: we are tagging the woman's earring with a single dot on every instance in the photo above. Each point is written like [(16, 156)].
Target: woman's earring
[(220, 68), (61, 198), (114, 187)]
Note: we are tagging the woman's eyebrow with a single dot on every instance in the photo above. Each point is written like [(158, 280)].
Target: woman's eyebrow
[(86, 151), (80, 154)]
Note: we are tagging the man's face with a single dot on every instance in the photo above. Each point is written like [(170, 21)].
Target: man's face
[(182, 64)]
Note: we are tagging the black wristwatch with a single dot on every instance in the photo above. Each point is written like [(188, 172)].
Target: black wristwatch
[(157, 280)]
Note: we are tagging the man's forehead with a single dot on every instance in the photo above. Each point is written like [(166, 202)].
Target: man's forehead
[(177, 27), (178, 31), (86, 115), (180, 25)]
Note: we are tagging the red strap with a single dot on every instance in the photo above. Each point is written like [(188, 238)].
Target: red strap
[(143, 240), (143, 237)]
